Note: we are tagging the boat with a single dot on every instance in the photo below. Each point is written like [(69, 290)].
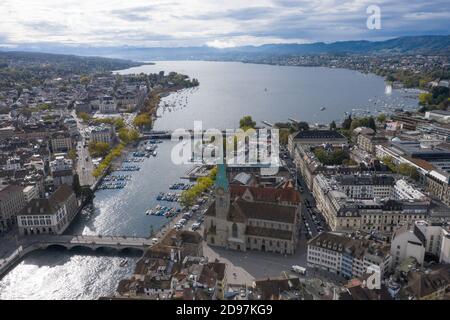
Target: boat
[(123, 263), (323, 108), (154, 153)]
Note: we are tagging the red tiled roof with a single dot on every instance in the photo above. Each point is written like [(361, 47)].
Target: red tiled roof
[(267, 194)]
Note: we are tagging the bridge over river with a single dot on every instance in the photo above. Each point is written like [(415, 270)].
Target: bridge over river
[(31, 243)]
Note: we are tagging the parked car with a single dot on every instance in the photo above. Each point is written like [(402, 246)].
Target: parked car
[(195, 226)]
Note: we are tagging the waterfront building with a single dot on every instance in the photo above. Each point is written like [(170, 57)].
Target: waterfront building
[(346, 256), (315, 137), (49, 216), (12, 200), (250, 222)]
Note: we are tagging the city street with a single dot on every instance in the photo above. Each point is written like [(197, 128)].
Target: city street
[(84, 165)]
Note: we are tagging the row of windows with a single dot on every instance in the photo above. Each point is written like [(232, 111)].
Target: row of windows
[(273, 225), (36, 222), (270, 242)]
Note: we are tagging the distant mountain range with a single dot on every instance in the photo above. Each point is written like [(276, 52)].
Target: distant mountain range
[(404, 45)]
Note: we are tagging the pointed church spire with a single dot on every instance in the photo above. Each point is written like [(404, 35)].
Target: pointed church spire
[(221, 178)]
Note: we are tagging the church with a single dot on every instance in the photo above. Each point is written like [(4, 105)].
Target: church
[(252, 217)]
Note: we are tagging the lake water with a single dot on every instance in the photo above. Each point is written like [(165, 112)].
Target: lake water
[(230, 90), (227, 92)]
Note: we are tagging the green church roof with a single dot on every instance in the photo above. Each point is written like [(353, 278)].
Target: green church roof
[(221, 177)]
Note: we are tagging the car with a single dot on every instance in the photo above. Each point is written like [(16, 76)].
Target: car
[(243, 293), (195, 226), (187, 215)]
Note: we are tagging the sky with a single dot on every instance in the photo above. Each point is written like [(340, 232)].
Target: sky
[(217, 23)]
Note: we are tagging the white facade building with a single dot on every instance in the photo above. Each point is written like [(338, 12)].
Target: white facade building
[(48, 216), (31, 192), (347, 256), (423, 237)]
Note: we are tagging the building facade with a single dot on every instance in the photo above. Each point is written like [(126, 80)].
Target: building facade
[(12, 200), (49, 216), (347, 256)]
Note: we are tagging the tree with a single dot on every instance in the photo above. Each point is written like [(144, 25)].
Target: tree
[(84, 80), (333, 125), (347, 123), (76, 185), (355, 124), (284, 136), (98, 148), (425, 99), (142, 120), (87, 193), (84, 116), (247, 123), (72, 154), (408, 170), (381, 118), (119, 123), (302, 126), (371, 123), (128, 135)]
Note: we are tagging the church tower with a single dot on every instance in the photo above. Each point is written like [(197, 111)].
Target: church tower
[(222, 189)]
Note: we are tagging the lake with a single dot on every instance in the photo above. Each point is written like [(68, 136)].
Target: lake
[(227, 91)]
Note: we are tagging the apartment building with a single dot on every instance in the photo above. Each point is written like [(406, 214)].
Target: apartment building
[(346, 256)]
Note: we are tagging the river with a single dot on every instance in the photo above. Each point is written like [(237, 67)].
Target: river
[(227, 92)]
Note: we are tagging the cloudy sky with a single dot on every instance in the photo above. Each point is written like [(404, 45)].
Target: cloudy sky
[(220, 23)]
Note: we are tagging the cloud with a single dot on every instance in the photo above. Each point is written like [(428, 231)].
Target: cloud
[(219, 23)]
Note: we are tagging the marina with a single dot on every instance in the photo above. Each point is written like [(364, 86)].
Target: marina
[(163, 211), (170, 197)]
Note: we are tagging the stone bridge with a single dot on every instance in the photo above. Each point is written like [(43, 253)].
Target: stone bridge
[(86, 241), (31, 243)]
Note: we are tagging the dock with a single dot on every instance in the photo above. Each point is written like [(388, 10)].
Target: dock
[(198, 171)]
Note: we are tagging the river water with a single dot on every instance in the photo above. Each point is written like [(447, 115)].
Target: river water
[(227, 92)]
